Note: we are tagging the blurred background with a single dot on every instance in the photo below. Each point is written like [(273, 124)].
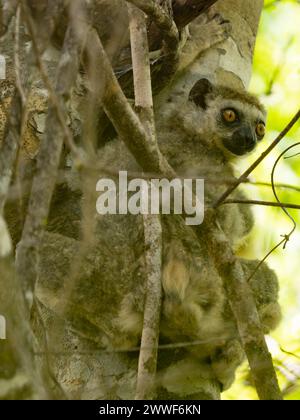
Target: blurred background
[(276, 79)]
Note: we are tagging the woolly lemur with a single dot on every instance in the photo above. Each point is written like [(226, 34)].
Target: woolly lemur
[(199, 135)]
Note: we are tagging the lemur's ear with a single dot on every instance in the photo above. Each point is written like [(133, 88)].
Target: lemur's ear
[(199, 92)]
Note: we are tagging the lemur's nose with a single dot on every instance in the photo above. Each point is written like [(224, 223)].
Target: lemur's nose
[(248, 138)]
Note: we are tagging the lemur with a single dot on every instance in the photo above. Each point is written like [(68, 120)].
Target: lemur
[(201, 135)]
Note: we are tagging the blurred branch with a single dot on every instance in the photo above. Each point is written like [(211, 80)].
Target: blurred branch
[(17, 57), (289, 353), (7, 11), (271, 4), (50, 152), (268, 184), (263, 203), (245, 175), (280, 65), (152, 225), (67, 75), (46, 15)]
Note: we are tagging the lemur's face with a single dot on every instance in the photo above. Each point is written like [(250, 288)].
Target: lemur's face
[(236, 119), (241, 127)]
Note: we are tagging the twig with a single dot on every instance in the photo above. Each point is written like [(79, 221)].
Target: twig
[(283, 206), (275, 192), (258, 161), (263, 203), (175, 345), (152, 225), (289, 353), (268, 184)]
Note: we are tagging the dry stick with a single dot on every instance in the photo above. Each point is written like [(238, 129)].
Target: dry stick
[(48, 162), (145, 388), (245, 175), (240, 296)]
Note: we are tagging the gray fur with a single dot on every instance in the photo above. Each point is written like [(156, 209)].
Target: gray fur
[(105, 301)]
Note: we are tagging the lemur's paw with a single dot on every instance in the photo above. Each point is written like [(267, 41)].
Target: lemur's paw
[(217, 29)]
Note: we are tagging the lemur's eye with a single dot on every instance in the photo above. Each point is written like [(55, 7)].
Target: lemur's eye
[(260, 129), (230, 115)]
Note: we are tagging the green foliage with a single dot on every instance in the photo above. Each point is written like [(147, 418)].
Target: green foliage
[(276, 78)]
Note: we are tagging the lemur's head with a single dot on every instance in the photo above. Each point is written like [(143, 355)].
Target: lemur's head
[(236, 118)]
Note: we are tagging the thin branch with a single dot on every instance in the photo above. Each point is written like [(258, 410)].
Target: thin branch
[(275, 192), (289, 353), (280, 64), (258, 161), (283, 206), (152, 226), (263, 203), (268, 184)]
